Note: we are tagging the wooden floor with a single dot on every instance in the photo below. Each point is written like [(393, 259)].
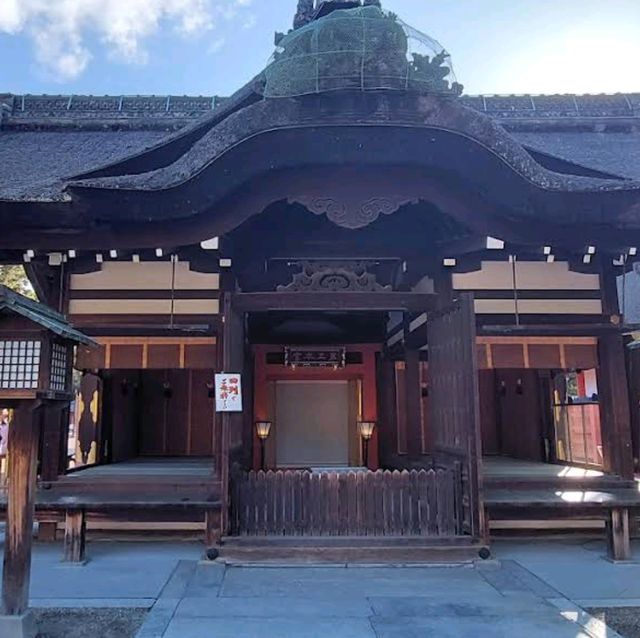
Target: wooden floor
[(176, 467), (147, 468), (505, 467), (140, 479), (164, 492), (525, 495)]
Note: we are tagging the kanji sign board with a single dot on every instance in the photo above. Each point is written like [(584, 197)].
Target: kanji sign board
[(228, 393)]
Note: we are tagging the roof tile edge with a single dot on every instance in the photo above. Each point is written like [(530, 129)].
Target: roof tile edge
[(170, 111)]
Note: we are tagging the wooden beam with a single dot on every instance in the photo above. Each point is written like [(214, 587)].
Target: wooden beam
[(557, 330), (353, 301), (47, 283), (608, 285), (469, 245), (538, 340), (23, 451)]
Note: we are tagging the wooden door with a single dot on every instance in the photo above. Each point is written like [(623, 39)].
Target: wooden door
[(454, 405), (312, 424), (519, 404)]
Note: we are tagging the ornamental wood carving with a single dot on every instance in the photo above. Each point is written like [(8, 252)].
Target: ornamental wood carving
[(333, 276), (354, 211)]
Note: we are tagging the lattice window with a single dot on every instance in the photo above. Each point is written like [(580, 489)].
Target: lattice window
[(19, 365), (58, 367)]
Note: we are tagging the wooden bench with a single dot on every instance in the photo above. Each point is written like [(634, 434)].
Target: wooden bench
[(614, 506), (74, 511)]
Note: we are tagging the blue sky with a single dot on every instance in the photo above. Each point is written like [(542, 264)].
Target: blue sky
[(206, 47)]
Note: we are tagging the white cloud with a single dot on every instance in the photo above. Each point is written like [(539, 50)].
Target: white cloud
[(61, 30)]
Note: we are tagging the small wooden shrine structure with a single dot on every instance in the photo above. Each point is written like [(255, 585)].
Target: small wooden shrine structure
[(378, 256)]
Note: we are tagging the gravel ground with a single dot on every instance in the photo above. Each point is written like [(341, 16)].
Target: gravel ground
[(89, 623), (624, 620)]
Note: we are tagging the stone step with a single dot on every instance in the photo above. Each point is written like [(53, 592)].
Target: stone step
[(349, 549)]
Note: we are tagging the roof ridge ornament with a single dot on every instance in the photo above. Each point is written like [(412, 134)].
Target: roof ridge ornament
[(304, 13), (309, 10), (350, 46)]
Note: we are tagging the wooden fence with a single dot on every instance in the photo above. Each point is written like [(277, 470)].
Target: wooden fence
[(425, 503)]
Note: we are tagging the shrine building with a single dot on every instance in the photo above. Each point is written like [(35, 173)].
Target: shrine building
[(417, 297)]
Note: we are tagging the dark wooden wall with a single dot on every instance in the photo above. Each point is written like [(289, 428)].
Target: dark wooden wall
[(160, 413), (488, 414), (519, 418), (120, 408), (177, 414)]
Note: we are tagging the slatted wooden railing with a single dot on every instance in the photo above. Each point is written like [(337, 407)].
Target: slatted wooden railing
[(425, 503)]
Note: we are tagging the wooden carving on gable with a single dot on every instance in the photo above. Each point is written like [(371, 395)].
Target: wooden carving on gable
[(353, 212), (333, 276)]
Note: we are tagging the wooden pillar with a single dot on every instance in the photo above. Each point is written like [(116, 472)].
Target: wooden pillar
[(212, 527), (618, 543), (75, 532), (52, 435), (633, 376), (23, 452), (370, 406), (388, 425), (615, 417), (231, 422), (443, 287), (413, 393), (225, 418), (260, 403), (245, 458), (413, 398)]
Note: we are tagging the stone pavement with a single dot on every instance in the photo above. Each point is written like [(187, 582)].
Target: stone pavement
[(532, 589), (579, 570), (505, 601)]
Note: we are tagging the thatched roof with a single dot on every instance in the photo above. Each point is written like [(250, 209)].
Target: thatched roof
[(47, 140)]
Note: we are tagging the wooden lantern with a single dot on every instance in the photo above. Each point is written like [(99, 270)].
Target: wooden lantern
[(36, 367), (33, 365), (36, 351)]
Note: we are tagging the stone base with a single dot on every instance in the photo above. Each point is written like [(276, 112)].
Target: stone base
[(18, 626), (73, 564)]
